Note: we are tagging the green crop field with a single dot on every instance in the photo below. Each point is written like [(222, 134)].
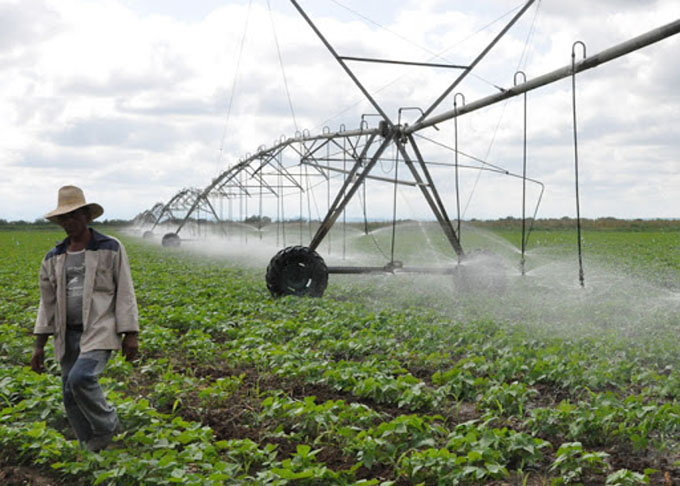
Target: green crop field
[(386, 380)]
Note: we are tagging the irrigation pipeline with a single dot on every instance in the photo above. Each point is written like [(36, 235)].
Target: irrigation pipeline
[(364, 162), (392, 267), (607, 55)]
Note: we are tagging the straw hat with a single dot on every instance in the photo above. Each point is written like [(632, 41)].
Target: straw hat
[(70, 199)]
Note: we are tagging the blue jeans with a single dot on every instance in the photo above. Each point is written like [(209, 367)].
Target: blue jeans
[(87, 410)]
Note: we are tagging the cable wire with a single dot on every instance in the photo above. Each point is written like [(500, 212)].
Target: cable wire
[(283, 70), (433, 54), (233, 84), (502, 115)]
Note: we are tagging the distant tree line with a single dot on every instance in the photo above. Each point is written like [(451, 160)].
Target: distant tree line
[(42, 223), (507, 223), (596, 224)]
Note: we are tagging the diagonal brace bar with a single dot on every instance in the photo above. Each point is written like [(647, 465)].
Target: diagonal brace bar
[(342, 63), (433, 201), (345, 195)]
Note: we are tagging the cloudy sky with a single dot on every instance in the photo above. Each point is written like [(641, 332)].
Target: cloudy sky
[(135, 99)]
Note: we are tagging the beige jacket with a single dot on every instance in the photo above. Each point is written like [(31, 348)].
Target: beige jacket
[(109, 302)]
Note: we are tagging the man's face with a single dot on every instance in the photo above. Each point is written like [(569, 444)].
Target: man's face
[(75, 223)]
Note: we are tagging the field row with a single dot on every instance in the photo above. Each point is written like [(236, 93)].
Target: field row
[(234, 387)]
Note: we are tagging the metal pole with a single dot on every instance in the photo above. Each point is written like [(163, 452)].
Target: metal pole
[(404, 63), (344, 197), (433, 200), (369, 177), (481, 55), (342, 63)]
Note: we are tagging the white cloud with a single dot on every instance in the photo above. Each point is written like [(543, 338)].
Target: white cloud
[(136, 100)]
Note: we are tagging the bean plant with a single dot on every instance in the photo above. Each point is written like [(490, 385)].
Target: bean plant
[(377, 383)]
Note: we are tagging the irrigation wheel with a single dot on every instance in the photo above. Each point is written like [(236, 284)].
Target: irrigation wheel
[(297, 270), (171, 240), (147, 235)]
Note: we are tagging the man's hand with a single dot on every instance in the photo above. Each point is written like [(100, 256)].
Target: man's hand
[(38, 360), (38, 357), (130, 347)]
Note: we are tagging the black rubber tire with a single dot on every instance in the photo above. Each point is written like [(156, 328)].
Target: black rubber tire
[(147, 235), (297, 270), (171, 240)]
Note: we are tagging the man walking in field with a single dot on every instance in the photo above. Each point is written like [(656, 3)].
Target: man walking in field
[(87, 301)]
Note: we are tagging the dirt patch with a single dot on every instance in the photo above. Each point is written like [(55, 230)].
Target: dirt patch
[(235, 419), (667, 474), (22, 475), (295, 388), (227, 422)]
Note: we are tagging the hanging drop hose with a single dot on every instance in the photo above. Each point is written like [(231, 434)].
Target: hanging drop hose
[(309, 203), (457, 183), (260, 223), (578, 205), (240, 204), (524, 176), (246, 196), (301, 199), (282, 214), (394, 195), (394, 205), (363, 188), (278, 208), (344, 210), (370, 234), (328, 189)]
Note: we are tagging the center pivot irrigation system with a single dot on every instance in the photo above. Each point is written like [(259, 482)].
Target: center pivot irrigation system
[(349, 158)]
